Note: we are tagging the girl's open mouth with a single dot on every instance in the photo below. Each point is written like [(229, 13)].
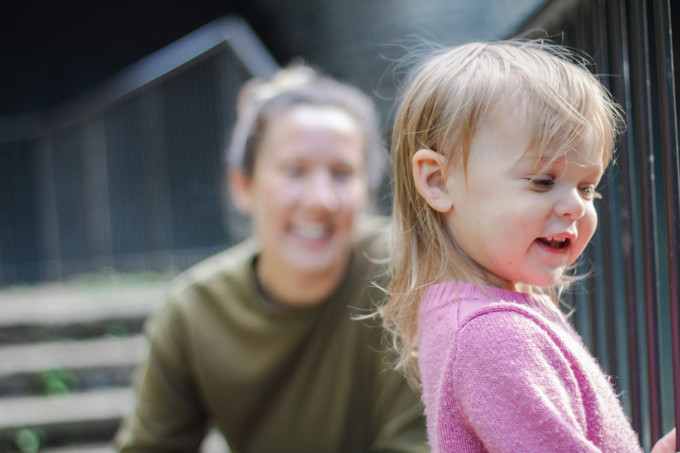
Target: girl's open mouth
[(557, 243)]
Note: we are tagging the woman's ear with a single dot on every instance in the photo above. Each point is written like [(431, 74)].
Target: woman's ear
[(239, 188), (429, 174)]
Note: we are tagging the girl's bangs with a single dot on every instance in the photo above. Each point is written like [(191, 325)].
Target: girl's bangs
[(573, 122)]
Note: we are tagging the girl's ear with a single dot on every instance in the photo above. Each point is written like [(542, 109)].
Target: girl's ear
[(239, 189), (429, 174)]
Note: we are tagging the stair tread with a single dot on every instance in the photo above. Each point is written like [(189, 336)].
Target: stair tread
[(43, 411), (95, 353), (55, 304), (104, 448)]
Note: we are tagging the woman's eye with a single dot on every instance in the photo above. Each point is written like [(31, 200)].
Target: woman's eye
[(294, 170), (342, 174)]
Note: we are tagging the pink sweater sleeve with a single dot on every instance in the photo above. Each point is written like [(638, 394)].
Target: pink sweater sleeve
[(516, 388)]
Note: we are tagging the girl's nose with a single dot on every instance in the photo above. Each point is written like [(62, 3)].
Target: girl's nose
[(571, 204), (321, 192)]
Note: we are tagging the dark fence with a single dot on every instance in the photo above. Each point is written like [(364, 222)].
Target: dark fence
[(128, 178), (629, 312)]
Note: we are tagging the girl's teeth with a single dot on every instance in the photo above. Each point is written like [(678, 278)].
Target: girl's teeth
[(554, 242)]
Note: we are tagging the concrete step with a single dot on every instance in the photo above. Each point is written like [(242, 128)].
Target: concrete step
[(96, 448), (76, 423), (61, 303), (52, 312), (67, 356), (214, 443), (77, 418), (73, 365), (101, 352), (105, 404)]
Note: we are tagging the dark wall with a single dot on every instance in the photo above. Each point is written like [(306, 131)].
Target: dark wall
[(135, 184), (360, 41), (53, 51)]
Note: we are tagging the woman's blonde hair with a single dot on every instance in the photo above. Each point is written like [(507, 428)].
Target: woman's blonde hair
[(260, 101), (445, 98)]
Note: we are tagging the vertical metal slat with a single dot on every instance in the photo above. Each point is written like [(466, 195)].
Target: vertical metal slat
[(622, 90), (668, 120), (644, 145)]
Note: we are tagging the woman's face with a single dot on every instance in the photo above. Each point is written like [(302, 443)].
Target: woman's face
[(308, 186)]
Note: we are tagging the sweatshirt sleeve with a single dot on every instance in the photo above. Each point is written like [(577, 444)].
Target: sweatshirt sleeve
[(167, 416), (516, 389)]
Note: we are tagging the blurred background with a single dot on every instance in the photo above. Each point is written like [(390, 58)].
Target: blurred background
[(113, 121), (114, 116)]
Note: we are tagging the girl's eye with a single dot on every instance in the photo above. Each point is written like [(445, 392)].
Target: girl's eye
[(543, 182), (590, 193)]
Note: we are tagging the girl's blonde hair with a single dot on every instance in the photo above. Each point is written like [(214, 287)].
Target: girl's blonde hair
[(445, 98)]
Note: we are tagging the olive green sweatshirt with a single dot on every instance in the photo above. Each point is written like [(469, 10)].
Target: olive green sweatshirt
[(273, 378)]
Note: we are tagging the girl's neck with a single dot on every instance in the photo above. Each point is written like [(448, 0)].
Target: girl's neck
[(516, 287), (486, 278)]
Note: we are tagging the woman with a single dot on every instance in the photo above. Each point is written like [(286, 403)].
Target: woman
[(260, 340)]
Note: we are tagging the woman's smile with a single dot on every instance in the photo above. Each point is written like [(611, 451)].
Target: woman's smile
[(311, 231), (307, 190)]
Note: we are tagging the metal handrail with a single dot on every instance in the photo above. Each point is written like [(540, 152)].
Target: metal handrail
[(230, 31)]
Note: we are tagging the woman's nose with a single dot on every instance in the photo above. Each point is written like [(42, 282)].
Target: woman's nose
[(571, 204), (321, 192)]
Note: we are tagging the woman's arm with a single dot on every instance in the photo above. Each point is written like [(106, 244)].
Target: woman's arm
[(398, 414), (167, 415)]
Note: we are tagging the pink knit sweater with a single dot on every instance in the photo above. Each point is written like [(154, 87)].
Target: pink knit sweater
[(504, 372)]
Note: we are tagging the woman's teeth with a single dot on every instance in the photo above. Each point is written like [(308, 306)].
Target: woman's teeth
[(310, 230)]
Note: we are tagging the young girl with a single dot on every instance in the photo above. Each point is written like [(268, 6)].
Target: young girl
[(498, 149)]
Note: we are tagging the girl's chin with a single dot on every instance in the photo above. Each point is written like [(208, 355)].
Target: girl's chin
[(540, 281), (547, 282), (523, 279)]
